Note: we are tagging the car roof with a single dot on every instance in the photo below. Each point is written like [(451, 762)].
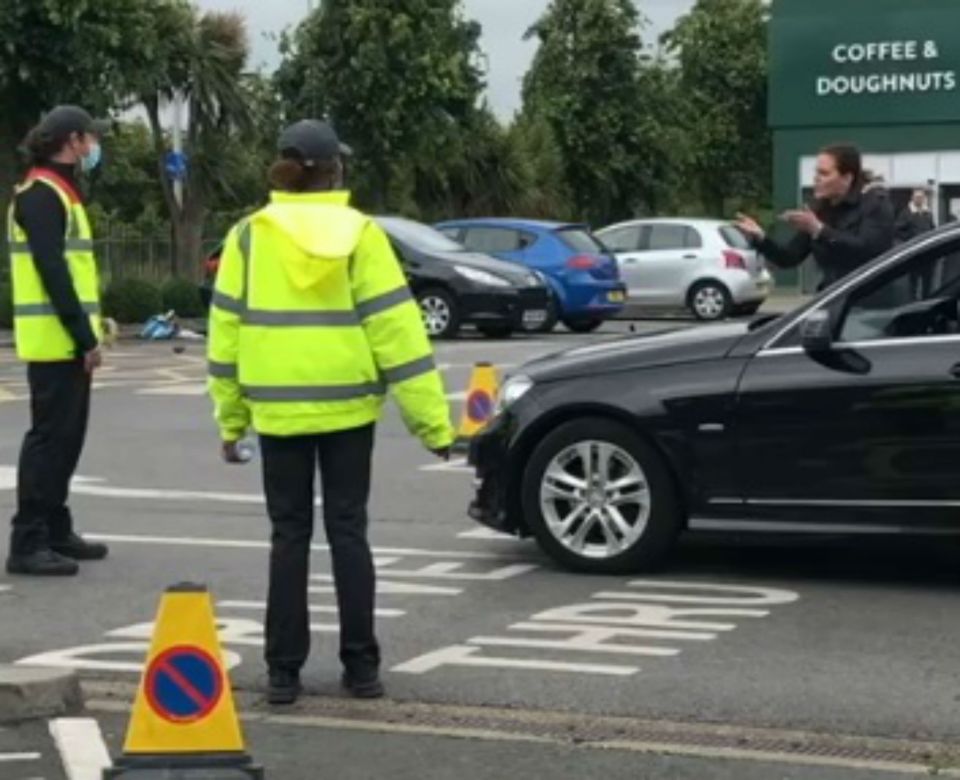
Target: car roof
[(698, 222), (516, 223)]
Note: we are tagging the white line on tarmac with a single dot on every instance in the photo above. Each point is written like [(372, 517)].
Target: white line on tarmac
[(11, 757), (81, 747), (458, 465), (250, 544), (319, 609)]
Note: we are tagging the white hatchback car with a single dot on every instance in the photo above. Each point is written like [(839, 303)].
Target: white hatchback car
[(704, 265)]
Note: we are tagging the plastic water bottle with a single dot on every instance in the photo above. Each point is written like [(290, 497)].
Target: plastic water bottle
[(246, 450)]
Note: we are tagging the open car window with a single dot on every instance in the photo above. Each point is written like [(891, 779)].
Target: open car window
[(917, 299)]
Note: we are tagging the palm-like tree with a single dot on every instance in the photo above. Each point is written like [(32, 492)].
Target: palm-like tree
[(199, 59)]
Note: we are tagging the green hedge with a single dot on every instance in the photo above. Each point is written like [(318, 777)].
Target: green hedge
[(132, 301), (183, 297), (6, 305)]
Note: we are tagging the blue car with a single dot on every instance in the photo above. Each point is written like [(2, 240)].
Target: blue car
[(584, 277)]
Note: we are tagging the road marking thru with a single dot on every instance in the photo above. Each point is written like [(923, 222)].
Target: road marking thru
[(604, 626), (81, 747), (319, 609)]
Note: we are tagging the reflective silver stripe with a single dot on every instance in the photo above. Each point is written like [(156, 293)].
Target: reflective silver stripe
[(246, 241), (222, 370), (225, 302), (321, 393), (70, 245), (47, 309), (383, 302), (409, 370), (300, 318)]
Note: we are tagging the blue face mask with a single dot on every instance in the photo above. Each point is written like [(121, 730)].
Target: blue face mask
[(92, 160)]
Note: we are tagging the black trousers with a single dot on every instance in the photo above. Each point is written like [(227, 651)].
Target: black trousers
[(289, 475), (60, 409)]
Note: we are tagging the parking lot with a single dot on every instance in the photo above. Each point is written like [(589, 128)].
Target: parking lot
[(813, 657)]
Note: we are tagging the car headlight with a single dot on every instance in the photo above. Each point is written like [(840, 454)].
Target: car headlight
[(536, 279), (512, 391), (481, 277)]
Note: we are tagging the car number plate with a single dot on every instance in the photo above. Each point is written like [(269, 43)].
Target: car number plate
[(534, 317), (617, 296)]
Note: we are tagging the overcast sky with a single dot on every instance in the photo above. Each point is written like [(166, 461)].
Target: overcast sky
[(504, 23)]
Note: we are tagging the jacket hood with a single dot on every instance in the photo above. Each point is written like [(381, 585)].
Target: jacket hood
[(314, 233)]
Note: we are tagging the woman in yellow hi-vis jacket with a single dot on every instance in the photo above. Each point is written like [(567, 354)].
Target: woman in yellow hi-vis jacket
[(311, 321)]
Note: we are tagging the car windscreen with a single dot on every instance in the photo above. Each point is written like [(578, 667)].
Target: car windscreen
[(423, 238), (580, 240), (733, 238)]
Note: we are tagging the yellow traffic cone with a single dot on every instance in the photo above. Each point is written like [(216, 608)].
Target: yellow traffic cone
[(481, 399), (184, 717)]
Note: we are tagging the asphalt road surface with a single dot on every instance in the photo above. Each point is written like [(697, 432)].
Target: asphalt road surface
[(749, 657)]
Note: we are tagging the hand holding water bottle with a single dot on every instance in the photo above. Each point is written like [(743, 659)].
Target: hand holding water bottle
[(237, 452)]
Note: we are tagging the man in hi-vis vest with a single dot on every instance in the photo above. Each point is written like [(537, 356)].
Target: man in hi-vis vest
[(57, 327), (312, 320)]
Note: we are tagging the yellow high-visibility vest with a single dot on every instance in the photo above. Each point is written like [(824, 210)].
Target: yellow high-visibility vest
[(312, 320), (39, 334)]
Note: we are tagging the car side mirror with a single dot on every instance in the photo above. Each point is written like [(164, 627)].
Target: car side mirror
[(817, 332)]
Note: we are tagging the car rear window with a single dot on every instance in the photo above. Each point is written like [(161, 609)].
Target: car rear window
[(580, 240), (733, 238)]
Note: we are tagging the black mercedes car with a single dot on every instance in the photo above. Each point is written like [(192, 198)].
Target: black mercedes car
[(455, 286), (843, 415)]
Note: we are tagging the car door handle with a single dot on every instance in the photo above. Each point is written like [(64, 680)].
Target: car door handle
[(690, 257)]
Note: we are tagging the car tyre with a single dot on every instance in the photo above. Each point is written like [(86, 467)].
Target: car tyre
[(582, 325), (441, 313), (710, 301), (655, 526)]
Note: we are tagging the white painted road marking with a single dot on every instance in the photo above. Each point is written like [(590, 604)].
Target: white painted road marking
[(464, 655), (487, 533), (316, 608), (457, 465), (94, 486), (81, 747), (603, 627), (249, 544), (11, 757)]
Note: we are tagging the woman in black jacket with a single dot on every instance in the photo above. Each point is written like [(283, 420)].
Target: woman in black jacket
[(846, 227)]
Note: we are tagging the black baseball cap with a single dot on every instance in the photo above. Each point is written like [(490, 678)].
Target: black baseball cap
[(311, 140), (62, 121)]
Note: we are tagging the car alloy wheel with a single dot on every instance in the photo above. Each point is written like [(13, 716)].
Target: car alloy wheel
[(599, 498), (710, 302), (595, 499), (438, 315)]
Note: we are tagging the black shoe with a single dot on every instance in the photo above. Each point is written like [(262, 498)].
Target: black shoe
[(284, 687), (367, 686), (76, 547), (42, 563)]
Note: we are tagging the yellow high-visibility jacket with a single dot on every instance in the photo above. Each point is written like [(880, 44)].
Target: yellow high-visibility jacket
[(312, 320), (38, 331)]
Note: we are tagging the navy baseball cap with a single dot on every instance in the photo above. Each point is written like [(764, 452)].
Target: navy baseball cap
[(63, 121), (312, 140)]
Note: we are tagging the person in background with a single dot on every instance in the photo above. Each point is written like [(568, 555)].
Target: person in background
[(311, 320), (57, 327), (917, 218), (846, 227)]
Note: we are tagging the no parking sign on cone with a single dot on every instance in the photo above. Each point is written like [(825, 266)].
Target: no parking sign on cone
[(184, 721)]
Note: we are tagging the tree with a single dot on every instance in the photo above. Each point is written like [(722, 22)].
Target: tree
[(721, 48), (202, 59), (63, 51), (587, 83), (396, 78)]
